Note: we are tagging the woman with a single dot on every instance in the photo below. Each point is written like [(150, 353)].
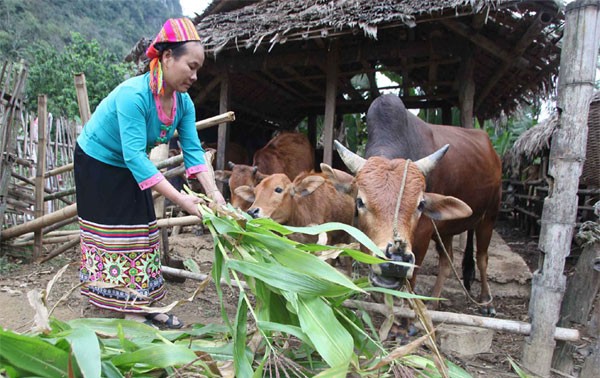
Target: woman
[(113, 176)]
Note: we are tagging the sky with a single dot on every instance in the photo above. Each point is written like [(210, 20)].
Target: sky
[(190, 6)]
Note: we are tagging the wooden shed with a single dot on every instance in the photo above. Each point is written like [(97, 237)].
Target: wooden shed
[(279, 62), (528, 160)]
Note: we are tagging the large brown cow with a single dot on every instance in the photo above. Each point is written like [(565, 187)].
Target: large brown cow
[(471, 172), (287, 153), (312, 198)]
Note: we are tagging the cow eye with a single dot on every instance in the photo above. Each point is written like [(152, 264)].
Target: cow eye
[(359, 203), (278, 189), (421, 206)]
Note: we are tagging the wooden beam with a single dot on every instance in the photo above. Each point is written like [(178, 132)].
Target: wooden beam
[(318, 57), (532, 32), (201, 96), (330, 102), (483, 42), (304, 80), (288, 88)]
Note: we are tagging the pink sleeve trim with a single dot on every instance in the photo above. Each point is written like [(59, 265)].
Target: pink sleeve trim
[(148, 183), (195, 169)]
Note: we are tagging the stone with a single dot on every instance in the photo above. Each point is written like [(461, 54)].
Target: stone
[(464, 341)]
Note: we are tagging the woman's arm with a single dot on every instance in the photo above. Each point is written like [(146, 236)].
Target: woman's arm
[(207, 180)]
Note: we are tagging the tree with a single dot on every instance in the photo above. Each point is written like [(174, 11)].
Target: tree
[(51, 72)]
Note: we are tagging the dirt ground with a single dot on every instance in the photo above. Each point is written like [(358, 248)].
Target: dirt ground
[(16, 314)]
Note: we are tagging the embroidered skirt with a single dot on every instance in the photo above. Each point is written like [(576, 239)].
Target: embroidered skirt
[(120, 244)]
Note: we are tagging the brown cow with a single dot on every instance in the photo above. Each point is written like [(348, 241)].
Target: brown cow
[(312, 198), (470, 172), (287, 153)]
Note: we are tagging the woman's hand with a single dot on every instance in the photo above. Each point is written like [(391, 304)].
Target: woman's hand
[(189, 204)]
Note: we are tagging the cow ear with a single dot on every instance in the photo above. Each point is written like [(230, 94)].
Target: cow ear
[(308, 185), (440, 207), (245, 192), (222, 176)]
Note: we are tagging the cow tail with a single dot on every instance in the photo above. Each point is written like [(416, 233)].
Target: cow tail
[(468, 264)]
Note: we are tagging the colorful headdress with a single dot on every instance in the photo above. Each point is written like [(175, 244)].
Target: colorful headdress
[(174, 30)]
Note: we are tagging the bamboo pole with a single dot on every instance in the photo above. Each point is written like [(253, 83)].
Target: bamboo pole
[(49, 229), (567, 153), (82, 98), (39, 175), (504, 325), (47, 240), (212, 121), (196, 276), (38, 223), (60, 250), (200, 125)]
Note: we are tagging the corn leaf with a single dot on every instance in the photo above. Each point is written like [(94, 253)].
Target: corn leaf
[(86, 349), (109, 370), (240, 360), (287, 279), (33, 355), (156, 355), (110, 327), (330, 338), (332, 226), (285, 328), (303, 262)]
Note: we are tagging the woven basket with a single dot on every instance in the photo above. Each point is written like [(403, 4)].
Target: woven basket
[(590, 176)]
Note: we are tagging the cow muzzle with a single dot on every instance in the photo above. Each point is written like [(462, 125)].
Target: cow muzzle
[(390, 275), (254, 212)]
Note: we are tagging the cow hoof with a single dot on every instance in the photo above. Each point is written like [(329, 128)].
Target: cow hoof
[(489, 311)]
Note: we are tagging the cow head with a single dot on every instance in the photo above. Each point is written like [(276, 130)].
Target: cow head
[(273, 197), (379, 182), (240, 175)]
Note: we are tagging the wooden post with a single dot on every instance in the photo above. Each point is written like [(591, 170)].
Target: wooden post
[(223, 133), (466, 93), (330, 95), (82, 98), (567, 153), (39, 172)]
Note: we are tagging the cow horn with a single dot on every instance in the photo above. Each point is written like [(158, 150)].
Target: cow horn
[(426, 164), (353, 162), (230, 164)]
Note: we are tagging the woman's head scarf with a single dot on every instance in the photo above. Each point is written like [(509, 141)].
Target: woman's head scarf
[(174, 30)]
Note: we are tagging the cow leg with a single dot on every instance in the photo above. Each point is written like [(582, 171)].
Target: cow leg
[(468, 265), (444, 267), (483, 235)]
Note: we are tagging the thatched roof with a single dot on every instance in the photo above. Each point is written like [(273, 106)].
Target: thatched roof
[(536, 141), (276, 54), (533, 142), (250, 24)]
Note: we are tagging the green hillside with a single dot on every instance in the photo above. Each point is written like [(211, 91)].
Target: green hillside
[(116, 24)]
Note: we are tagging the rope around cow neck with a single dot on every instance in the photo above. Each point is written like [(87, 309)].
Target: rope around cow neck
[(397, 240), (462, 285)]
